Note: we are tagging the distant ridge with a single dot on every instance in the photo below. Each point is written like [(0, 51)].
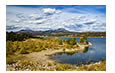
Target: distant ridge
[(48, 31)]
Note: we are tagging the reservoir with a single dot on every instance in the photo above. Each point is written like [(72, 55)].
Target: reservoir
[(91, 55)]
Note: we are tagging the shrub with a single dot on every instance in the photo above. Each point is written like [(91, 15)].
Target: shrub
[(60, 41), (95, 67), (9, 47), (55, 39), (45, 45), (77, 45), (49, 45), (103, 59), (87, 41), (62, 67), (64, 49), (15, 46), (84, 38), (23, 49), (71, 41), (81, 40), (10, 60), (49, 64), (68, 46), (67, 41)]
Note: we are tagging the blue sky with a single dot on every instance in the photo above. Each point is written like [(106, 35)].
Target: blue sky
[(75, 18)]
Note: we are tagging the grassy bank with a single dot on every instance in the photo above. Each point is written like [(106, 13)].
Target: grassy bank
[(34, 54), (37, 45)]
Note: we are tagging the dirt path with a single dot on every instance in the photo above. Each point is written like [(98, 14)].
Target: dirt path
[(44, 55)]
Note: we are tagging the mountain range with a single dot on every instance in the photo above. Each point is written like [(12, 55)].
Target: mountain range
[(48, 31)]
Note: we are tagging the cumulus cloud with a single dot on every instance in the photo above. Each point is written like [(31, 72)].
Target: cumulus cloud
[(41, 19), (35, 16), (50, 11), (37, 21)]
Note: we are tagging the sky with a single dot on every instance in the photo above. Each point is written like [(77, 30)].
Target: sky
[(74, 18)]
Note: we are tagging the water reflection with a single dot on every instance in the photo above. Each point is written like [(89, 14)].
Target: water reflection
[(67, 53), (89, 55), (72, 53), (85, 50)]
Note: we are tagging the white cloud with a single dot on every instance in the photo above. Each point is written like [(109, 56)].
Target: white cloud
[(37, 21), (50, 10), (35, 16), (51, 18)]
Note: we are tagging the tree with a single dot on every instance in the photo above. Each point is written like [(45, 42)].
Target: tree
[(13, 36), (87, 41), (60, 41), (84, 39), (71, 41), (67, 41), (81, 39), (55, 39)]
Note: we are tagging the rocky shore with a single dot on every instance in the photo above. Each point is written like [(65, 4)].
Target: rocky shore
[(32, 66)]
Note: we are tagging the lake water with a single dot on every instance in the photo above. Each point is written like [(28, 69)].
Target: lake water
[(91, 55)]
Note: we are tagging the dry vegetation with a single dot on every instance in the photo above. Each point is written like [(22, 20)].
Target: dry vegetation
[(37, 45), (17, 52), (25, 65)]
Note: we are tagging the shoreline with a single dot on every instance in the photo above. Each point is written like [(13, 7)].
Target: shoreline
[(43, 57), (78, 37), (47, 53)]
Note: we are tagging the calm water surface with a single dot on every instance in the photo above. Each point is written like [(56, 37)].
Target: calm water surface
[(90, 55)]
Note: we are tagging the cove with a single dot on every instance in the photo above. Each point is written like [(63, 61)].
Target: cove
[(90, 55)]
